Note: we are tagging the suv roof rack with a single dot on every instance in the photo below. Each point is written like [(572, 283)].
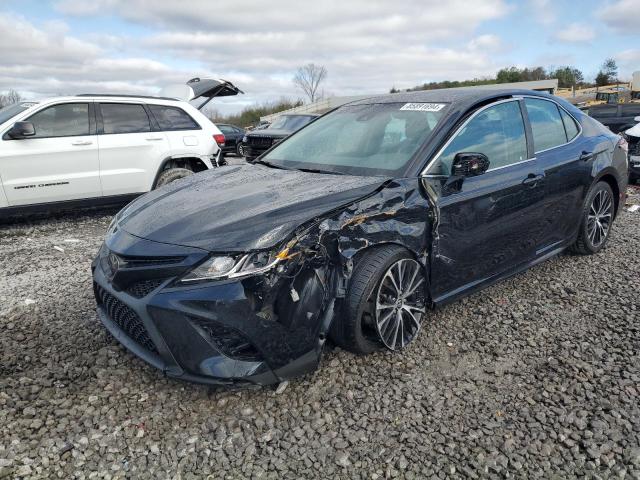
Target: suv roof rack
[(124, 96)]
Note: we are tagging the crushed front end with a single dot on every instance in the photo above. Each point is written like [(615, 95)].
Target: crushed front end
[(258, 328)]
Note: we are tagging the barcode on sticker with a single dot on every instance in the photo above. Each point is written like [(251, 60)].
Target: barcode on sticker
[(423, 107)]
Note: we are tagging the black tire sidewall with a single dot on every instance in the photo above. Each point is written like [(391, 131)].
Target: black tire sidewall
[(356, 301), (172, 175)]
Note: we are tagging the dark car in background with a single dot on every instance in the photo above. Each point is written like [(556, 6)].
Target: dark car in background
[(617, 118), (257, 141), (233, 136), (354, 227)]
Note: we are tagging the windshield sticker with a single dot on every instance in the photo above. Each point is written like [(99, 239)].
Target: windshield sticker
[(423, 107)]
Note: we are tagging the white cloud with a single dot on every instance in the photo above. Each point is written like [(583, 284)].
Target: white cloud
[(367, 47), (543, 11), (575, 33), (622, 16)]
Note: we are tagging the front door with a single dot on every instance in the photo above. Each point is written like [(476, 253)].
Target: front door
[(60, 162), (492, 222)]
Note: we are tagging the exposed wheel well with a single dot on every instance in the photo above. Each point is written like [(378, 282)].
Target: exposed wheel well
[(190, 163), (613, 183)]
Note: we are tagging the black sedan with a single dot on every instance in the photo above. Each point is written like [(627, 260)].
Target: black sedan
[(233, 136), (258, 141), (354, 228)]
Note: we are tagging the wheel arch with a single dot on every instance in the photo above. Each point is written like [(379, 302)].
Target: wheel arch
[(608, 176), (191, 162)]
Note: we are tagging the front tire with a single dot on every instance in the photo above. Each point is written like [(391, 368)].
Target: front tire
[(171, 175), (385, 302), (596, 221), (239, 149)]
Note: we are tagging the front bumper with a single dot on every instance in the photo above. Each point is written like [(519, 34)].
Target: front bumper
[(216, 332)]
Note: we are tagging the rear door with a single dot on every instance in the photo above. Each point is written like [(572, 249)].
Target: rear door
[(566, 158), (131, 148), (60, 162), (491, 224), (181, 130)]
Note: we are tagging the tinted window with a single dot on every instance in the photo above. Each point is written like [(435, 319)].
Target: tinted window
[(546, 124), (569, 125), (124, 118), (12, 110), (173, 118), (64, 120), (226, 129), (498, 132), (291, 122), (375, 139)]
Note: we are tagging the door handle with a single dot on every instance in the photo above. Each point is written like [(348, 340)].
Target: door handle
[(154, 139), (584, 156), (532, 179), (79, 143)]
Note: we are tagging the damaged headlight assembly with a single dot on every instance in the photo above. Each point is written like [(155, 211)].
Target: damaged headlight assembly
[(219, 267)]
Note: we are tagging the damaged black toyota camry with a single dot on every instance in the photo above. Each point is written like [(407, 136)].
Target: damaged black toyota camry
[(354, 228)]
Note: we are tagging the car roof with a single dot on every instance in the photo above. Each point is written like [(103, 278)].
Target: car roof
[(462, 95), (106, 97)]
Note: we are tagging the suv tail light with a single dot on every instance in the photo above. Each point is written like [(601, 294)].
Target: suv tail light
[(219, 138)]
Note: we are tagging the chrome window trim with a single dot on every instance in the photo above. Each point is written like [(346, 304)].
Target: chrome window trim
[(566, 111), (464, 124)]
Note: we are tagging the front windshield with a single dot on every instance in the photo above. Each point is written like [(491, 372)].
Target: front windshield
[(291, 122), (374, 139), (11, 111)]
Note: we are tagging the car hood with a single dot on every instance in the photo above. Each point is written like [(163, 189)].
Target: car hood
[(239, 208), (271, 133)]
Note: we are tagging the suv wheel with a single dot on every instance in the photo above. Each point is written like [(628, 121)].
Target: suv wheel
[(385, 302), (240, 149), (597, 218), (171, 175)]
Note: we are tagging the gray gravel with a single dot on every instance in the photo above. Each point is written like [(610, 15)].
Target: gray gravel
[(536, 377)]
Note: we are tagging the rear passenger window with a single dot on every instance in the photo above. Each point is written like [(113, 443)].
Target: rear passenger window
[(124, 118), (173, 118), (546, 124), (569, 125)]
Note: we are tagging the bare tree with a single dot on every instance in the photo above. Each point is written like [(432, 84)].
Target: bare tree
[(308, 78), (9, 98)]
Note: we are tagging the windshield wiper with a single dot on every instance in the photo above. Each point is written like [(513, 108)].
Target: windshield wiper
[(271, 165), (315, 170)]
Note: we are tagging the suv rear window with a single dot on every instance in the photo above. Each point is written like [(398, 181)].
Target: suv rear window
[(173, 118), (124, 118)]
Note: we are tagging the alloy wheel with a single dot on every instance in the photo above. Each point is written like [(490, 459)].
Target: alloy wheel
[(400, 304), (599, 218)]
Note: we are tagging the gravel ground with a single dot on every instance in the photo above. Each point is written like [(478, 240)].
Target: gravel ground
[(536, 377)]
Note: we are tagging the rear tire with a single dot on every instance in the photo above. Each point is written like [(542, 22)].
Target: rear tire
[(355, 328), (239, 149), (596, 220), (172, 175)]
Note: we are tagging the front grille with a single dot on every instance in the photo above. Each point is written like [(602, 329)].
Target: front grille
[(259, 141), (126, 319), (229, 341), (143, 288), (634, 147)]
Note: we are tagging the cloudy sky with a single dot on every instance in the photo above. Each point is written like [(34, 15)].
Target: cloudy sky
[(138, 46)]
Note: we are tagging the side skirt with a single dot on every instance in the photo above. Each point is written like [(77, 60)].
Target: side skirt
[(478, 285)]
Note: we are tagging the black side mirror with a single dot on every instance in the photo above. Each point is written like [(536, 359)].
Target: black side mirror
[(465, 164), (21, 130), (469, 164)]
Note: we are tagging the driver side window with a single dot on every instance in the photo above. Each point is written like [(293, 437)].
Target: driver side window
[(497, 131)]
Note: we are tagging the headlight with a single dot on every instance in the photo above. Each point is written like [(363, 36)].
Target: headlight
[(219, 267)]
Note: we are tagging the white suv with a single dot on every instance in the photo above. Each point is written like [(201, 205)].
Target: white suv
[(104, 149)]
